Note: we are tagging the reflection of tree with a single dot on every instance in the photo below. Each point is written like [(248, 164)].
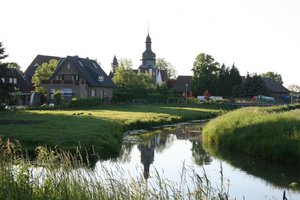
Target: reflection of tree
[(278, 174), (125, 153), (200, 155)]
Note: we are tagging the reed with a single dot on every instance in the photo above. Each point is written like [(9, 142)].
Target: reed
[(56, 174)]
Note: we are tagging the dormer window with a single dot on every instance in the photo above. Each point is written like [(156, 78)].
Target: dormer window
[(95, 65), (80, 63), (68, 66), (101, 79)]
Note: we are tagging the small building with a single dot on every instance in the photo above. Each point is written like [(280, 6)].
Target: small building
[(22, 94), (276, 89), (80, 78)]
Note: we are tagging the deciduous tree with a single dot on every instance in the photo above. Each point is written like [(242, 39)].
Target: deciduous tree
[(272, 75), (43, 72), (205, 74), (163, 64)]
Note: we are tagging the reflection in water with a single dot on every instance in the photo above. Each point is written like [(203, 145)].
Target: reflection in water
[(200, 155), (147, 155), (167, 148)]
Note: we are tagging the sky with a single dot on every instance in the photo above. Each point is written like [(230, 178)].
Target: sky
[(256, 35)]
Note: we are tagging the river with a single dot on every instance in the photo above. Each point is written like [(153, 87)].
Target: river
[(170, 153)]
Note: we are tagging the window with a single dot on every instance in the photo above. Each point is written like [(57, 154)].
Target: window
[(10, 80), (60, 77), (93, 93), (68, 66), (52, 91), (101, 78), (3, 80), (80, 63), (15, 80), (67, 92), (75, 77)]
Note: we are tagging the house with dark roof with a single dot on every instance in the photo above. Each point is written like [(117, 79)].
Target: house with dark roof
[(37, 61), (80, 78), (276, 89), (13, 77), (182, 84)]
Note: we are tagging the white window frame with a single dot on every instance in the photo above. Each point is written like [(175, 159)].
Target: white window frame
[(10, 80), (15, 80), (3, 80), (93, 92), (101, 78)]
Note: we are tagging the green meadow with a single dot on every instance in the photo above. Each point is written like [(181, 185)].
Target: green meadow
[(98, 129)]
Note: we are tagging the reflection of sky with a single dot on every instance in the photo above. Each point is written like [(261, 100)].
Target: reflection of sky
[(169, 163)]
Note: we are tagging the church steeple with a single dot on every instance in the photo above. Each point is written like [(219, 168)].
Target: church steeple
[(149, 56), (114, 66)]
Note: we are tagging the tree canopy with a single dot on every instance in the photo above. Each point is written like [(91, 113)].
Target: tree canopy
[(128, 80), (209, 76), (43, 72), (5, 88), (252, 86), (272, 75), (294, 88), (163, 64), (205, 74)]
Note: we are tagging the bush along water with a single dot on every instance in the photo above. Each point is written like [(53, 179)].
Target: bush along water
[(272, 133)]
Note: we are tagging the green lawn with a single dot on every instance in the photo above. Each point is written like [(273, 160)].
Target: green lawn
[(100, 127)]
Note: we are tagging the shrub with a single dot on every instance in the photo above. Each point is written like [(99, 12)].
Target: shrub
[(85, 102), (57, 96), (175, 100)]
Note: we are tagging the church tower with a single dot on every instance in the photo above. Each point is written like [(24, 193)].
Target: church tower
[(114, 66), (149, 57)]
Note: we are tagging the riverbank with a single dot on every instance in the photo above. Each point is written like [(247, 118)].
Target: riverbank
[(271, 133), (98, 129)]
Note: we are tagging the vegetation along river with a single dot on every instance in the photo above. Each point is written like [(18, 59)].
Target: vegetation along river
[(173, 153)]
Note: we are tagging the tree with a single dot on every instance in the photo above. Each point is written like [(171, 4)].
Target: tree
[(205, 74), (43, 72), (127, 80), (5, 88), (253, 85), (294, 88), (272, 75), (163, 64), (16, 66)]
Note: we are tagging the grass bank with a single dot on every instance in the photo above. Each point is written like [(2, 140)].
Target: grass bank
[(272, 133), (101, 127)]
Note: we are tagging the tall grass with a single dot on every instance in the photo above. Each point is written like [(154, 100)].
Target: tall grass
[(272, 133), (60, 175)]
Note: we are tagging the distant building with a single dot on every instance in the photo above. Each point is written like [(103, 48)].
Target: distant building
[(79, 77), (276, 89), (148, 64), (114, 66), (182, 84), (13, 77)]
